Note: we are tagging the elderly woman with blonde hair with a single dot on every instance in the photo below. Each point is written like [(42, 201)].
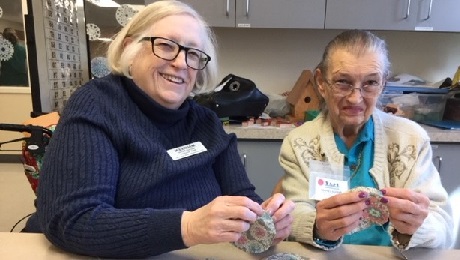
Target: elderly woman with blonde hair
[(135, 167)]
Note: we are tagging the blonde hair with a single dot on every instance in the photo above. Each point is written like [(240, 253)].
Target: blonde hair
[(120, 57)]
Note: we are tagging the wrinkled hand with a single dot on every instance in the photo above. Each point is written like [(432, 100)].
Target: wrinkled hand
[(280, 209), (339, 214), (408, 209), (222, 220)]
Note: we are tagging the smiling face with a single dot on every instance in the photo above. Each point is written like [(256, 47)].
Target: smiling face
[(169, 83), (349, 113)]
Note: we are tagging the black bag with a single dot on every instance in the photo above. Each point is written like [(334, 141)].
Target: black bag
[(239, 97)]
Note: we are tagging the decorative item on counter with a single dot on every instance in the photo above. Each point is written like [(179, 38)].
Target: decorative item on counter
[(234, 97), (259, 237), (452, 108), (376, 213), (393, 109), (311, 114), (456, 80), (273, 122), (406, 80), (277, 105), (225, 121), (285, 256), (303, 96), (447, 83)]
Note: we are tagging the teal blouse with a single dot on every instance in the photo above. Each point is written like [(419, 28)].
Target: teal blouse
[(360, 160)]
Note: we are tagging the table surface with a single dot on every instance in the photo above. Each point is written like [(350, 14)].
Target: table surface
[(36, 246)]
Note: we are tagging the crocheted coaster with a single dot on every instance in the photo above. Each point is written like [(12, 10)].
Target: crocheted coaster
[(259, 237), (376, 213), (285, 256)]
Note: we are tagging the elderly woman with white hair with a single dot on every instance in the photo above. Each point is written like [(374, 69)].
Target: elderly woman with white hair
[(135, 167), (396, 197)]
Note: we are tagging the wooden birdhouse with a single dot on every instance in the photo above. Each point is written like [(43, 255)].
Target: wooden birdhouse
[(303, 96)]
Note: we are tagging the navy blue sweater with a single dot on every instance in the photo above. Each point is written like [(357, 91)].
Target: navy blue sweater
[(108, 187)]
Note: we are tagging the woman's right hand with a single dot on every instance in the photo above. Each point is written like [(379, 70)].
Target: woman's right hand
[(339, 214), (222, 220)]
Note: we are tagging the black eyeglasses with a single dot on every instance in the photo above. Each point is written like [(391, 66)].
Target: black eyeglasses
[(167, 49)]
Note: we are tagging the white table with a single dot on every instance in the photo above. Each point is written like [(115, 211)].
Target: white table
[(36, 246)]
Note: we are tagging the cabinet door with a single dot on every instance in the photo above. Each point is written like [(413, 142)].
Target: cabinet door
[(438, 15), (217, 13), (445, 158), (280, 14), (261, 162), (370, 14)]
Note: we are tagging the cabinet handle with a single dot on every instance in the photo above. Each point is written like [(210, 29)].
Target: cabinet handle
[(227, 11), (244, 160), (408, 9), (439, 158), (247, 8), (429, 11)]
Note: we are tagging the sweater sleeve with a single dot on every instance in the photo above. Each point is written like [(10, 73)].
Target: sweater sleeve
[(296, 187), (231, 174), (437, 229), (78, 188)]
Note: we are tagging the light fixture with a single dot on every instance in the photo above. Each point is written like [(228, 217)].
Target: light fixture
[(104, 3)]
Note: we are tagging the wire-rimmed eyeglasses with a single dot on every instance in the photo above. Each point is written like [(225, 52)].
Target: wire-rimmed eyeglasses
[(167, 49), (343, 88)]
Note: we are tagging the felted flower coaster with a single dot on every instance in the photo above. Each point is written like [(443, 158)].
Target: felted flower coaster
[(376, 213), (285, 256), (259, 237)]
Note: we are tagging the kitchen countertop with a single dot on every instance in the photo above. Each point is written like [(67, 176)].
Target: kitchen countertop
[(278, 134)]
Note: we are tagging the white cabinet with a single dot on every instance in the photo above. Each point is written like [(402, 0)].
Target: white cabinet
[(410, 15), (262, 13), (260, 158)]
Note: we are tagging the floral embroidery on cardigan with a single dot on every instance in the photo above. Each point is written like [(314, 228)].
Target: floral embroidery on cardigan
[(310, 149), (399, 160)]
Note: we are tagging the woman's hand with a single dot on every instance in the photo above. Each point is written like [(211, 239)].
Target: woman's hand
[(222, 220), (339, 214), (280, 209), (408, 209)]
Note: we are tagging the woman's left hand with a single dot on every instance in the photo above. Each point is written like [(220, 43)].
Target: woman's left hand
[(408, 209), (280, 209)]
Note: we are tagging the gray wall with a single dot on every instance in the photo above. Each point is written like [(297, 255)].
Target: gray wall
[(274, 58)]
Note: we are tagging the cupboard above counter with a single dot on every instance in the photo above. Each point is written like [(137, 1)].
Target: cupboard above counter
[(404, 15), (261, 13)]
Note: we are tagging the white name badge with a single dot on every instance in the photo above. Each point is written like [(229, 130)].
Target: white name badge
[(186, 150), (327, 187)]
